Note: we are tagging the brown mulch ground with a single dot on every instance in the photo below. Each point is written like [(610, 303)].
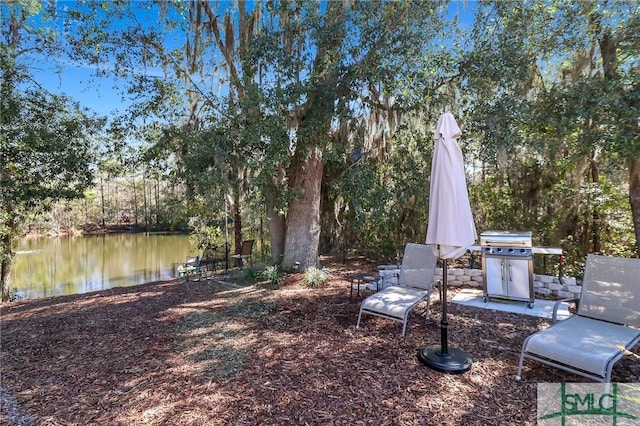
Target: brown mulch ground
[(229, 353)]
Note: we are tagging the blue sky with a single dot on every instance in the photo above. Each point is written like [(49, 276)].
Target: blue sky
[(101, 94), (81, 84), (79, 80)]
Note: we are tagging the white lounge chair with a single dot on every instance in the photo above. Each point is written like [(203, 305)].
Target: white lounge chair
[(415, 284), (592, 341)]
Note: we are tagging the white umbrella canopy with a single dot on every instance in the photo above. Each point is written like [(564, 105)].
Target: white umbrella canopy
[(451, 226), (450, 230)]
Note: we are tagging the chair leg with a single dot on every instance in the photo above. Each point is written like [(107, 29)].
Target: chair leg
[(194, 273), (427, 309), (519, 373), (238, 262)]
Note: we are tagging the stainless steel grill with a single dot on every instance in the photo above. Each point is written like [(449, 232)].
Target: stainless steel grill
[(507, 265)]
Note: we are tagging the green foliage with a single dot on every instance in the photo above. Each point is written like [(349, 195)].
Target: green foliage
[(252, 274), (205, 236), (48, 142), (48, 150), (386, 198), (315, 277), (273, 275), (547, 129)]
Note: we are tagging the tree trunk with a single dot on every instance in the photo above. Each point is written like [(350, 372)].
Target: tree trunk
[(634, 198), (276, 217), (135, 201), (116, 202), (595, 209), (237, 217), (102, 199), (6, 251), (157, 195), (6, 275), (303, 217), (146, 206), (5, 272), (609, 52), (276, 233)]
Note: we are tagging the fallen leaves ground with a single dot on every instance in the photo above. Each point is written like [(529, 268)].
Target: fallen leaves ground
[(217, 352)]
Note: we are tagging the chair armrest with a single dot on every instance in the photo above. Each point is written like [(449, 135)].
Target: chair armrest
[(556, 306)]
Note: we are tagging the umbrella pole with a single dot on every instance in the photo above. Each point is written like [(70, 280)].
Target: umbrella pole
[(441, 358), (444, 323)]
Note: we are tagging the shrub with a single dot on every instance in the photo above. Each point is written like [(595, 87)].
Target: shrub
[(315, 277), (252, 274), (272, 274)]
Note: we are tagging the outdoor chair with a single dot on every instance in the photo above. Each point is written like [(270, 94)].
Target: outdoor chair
[(591, 342), (213, 255), (245, 252), (415, 284), (191, 267)]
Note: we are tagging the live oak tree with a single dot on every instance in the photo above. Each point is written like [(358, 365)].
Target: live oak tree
[(46, 142), (332, 80), (324, 65), (298, 73)]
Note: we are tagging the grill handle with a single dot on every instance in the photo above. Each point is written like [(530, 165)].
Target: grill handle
[(507, 243)]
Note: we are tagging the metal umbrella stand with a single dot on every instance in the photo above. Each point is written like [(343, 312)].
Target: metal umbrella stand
[(443, 358), (450, 230)]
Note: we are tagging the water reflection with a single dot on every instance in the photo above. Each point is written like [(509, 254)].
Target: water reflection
[(61, 266)]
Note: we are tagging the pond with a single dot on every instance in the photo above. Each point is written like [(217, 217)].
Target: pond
[(46, 267)]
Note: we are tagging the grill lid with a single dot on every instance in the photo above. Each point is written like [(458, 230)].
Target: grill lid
[(506, 239)]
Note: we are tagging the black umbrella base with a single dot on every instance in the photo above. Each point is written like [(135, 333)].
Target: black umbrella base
[(454, 361)]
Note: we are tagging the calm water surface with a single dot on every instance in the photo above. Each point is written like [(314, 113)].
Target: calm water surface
[(61, 266)]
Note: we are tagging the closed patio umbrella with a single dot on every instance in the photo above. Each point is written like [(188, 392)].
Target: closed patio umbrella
[(450, 230)]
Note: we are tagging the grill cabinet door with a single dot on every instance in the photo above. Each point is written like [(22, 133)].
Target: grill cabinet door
[(495, 284), (517, 275), (508, 278)]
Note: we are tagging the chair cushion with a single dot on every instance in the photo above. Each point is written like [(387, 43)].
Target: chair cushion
[(583, 343), (394, 301)]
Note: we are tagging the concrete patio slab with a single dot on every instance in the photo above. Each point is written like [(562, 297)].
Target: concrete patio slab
[(541, 308)]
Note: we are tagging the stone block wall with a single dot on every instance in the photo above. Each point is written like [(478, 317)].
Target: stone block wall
[(544, 285)]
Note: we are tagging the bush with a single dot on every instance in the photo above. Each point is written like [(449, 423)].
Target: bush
[(314, 277), (252, 274), (272, 274)]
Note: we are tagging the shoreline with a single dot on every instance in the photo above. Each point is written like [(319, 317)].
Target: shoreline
[(98, 230)]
